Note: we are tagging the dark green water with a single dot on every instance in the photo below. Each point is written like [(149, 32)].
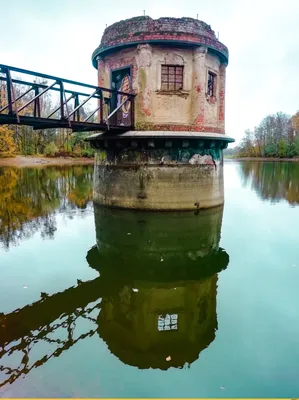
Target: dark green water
[(101, 303)]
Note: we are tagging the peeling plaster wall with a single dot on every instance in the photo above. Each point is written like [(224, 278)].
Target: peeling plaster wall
[(221, 95), (174, 107), (188, 109), (211, 106), (119, 59), (199, 86)]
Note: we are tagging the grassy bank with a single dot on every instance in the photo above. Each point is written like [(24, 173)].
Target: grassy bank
[(39, 161), (278, 159)]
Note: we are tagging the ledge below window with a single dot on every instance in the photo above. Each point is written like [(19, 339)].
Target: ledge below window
[(180, 93)]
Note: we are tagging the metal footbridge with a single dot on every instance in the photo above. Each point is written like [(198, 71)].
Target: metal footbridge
[(25, 97)]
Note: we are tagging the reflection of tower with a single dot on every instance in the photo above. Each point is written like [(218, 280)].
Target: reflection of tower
[(156, 291), (163, 268)]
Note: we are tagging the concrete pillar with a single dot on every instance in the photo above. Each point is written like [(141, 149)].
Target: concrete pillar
[(143, 100), (101, 66), (199, 86), (221, 117), (101, 83), (174, 173)]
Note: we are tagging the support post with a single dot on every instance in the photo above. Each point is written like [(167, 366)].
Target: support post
[(36, 102), (61, 100), (8, 88)]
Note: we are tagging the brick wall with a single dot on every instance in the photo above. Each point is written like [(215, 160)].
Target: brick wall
[(222, 97), (146, 29)]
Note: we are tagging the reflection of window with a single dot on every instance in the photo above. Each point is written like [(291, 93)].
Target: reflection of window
[(168, 322), (211, 84), (172, 77)]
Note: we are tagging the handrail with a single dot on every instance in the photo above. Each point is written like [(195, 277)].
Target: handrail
[(116, 109), (71, 82), (69, 115), (35, 97)]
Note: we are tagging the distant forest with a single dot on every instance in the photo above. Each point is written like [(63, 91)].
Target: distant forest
[(50, 142), (276, 136)]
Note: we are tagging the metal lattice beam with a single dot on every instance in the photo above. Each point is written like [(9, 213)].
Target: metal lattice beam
[(18, 108)]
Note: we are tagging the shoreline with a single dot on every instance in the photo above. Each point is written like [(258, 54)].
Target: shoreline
[(269, 159), (35, 161), (39, 161)]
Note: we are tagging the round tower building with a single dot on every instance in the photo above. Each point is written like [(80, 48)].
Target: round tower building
[(171, 156)]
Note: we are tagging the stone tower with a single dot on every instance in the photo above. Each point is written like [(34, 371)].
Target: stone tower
[(172, 159)]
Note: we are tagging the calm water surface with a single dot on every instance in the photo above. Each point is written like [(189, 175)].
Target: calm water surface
[(102, 303)]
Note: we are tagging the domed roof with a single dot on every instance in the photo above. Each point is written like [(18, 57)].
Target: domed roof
[(183, 31)]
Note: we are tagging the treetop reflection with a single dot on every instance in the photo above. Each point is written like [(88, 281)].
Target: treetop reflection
[(274, 181), (31, 197), (154, 302)]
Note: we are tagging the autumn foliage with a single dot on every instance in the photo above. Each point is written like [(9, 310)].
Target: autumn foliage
[(295, 122), (30, 199), (276, 136), (7, 144), (49, 142)]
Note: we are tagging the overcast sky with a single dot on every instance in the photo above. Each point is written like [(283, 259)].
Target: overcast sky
[(58, 37)]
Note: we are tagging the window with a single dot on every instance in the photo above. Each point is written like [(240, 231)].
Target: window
[(211, 84), (168, 322), (172, 77)]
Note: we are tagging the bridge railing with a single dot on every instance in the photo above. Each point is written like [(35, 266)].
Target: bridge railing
[(25, 97)]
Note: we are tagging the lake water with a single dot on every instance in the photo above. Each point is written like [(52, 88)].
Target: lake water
[(102, 303)]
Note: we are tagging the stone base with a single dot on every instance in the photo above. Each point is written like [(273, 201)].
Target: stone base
[(165, 187), (151, 173)]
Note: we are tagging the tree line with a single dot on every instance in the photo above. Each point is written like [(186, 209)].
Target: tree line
[(276, 136), (15, 139), (30, 199)]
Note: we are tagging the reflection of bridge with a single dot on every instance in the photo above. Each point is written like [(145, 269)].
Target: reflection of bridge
[(130, 305), (22, 330), (21, 103)]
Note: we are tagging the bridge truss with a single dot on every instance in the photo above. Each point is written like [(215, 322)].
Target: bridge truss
[(78, 106)]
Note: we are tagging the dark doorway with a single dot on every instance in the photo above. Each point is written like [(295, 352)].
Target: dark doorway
[(121, 80)]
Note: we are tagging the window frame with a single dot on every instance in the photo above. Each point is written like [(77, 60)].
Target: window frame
[(168, 322), (214, 85), (178, 85)]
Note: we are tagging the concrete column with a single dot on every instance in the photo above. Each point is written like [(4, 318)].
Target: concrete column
[(101, 67), (175, 178), (221, 114), (101, 83), (199, 86), (146, 77)]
